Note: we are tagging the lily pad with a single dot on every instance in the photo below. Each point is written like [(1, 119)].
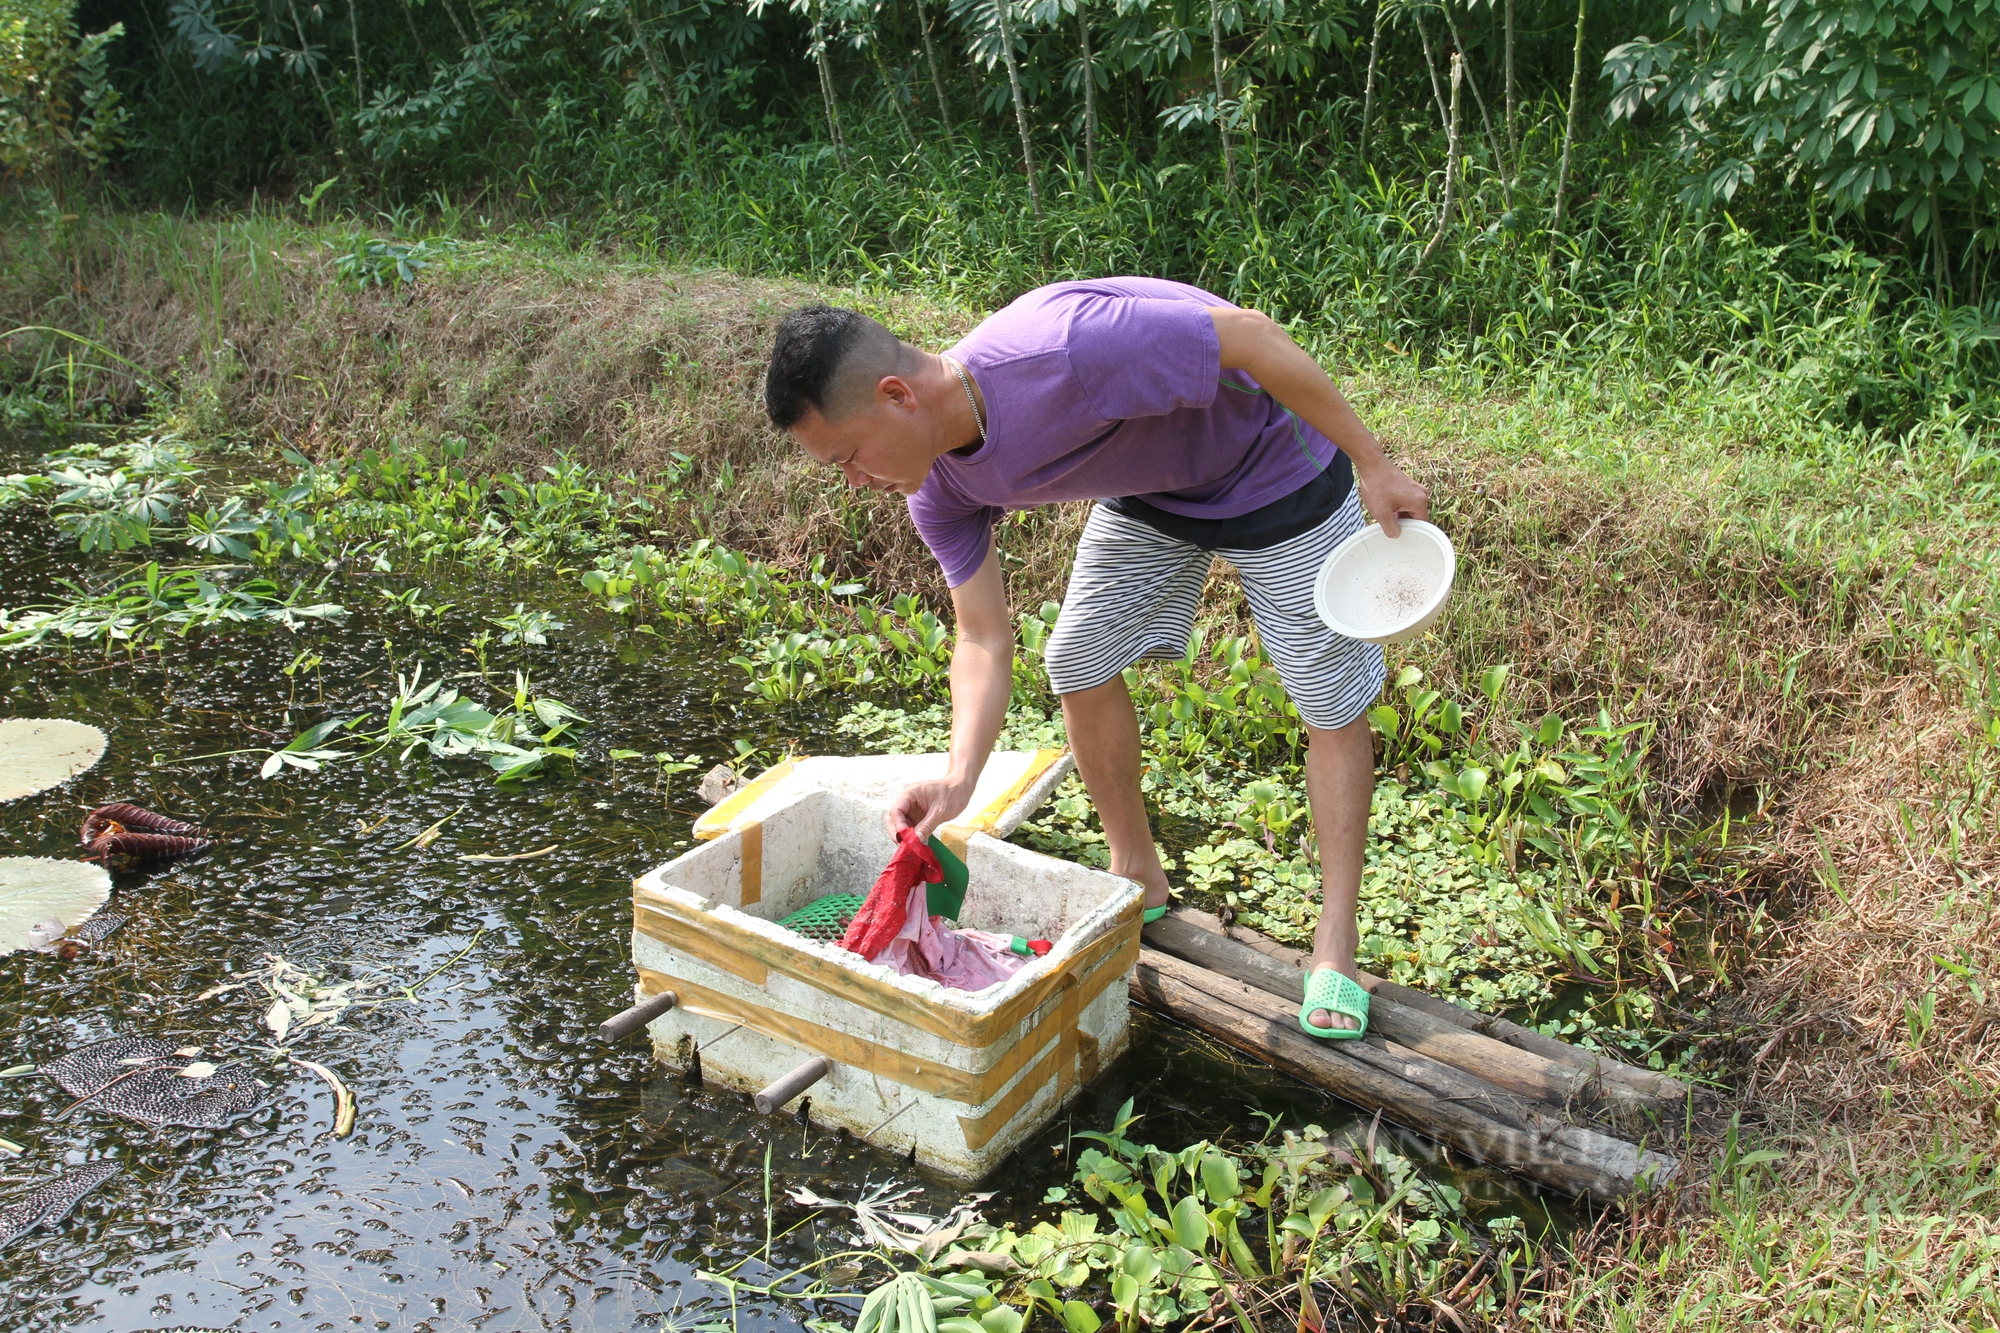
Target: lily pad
[(37, 753), (35, 888)]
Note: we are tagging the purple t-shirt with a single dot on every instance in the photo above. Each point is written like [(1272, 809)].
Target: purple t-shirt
[(1110, 387)]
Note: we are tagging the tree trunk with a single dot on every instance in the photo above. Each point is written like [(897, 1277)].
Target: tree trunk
[(1001, 8), (1089, 95), (354, 36), (661, 80), (1569, 126), (1430, 67), (1513, 136), (1479, 100), (1450, 162), (1368, 92), (930, 56), (486, 48), (1215, 43), (305, 55), (415, 36), (826, 93), (895, 92)]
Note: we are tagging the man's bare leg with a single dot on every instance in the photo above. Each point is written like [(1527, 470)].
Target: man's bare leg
[(1340, 783), (1104, 734)]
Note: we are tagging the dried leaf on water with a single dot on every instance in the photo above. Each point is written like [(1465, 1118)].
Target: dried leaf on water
[(11, 1148), (49, 1204), (343, 1100), (278, 1018), (199, 1069), (37, 753), (35, 890), (15, 1071), (511, 856)]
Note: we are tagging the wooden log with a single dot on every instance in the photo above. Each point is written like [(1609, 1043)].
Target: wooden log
[(1558, 1085), (1622, 1084), (1483, 1123)]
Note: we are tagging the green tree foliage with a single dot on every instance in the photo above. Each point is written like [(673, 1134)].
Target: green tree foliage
[(57, 103), (1889, 101), (1300, 155)]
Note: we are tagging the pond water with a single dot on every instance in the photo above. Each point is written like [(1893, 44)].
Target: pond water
[(506, 1171)]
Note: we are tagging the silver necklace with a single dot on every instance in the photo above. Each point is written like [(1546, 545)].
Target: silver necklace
[(977, 419)]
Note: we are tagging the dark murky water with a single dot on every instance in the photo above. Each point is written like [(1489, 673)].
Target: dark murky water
[(507, 1171)]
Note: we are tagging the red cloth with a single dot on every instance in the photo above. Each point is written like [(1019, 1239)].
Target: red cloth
[(884, 913)]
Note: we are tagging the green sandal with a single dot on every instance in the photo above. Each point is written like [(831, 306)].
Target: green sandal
[(1152, 914), (1336, 993)]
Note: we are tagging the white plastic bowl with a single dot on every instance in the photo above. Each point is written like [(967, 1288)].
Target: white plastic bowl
[(1383, 589)]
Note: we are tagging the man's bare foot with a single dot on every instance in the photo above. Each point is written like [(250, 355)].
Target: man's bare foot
[(1327, 1018), (1157, 895)]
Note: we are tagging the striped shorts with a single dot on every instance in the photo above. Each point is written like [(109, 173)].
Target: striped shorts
[(1133, 594)]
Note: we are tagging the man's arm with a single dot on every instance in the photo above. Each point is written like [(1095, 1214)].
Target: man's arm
[(982, 681), (1253, 343)]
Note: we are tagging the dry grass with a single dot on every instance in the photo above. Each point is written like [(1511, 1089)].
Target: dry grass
[(1764, 596)]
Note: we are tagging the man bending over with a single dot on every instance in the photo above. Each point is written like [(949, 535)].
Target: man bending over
[(1200, 429)]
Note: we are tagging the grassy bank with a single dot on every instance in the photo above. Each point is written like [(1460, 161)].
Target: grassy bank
[(1795, 615)]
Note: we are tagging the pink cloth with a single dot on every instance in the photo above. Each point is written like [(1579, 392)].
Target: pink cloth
[(968, 960)]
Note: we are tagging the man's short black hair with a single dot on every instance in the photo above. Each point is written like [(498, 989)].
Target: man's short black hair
[(820, 349)]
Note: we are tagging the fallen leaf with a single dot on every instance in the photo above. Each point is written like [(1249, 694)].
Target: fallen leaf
[(188, 1050), (199, 1069), (343, 1100), (511, 856), (16, 1071), (11, 1148), (279, 1019)]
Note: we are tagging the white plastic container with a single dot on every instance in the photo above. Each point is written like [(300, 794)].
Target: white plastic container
[(1383, 589), (958, 1078)]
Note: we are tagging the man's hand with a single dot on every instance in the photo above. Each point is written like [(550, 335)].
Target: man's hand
[(925, 805), (1391, 496)]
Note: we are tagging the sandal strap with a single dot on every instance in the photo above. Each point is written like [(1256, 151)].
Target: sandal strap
[(1336, 992)]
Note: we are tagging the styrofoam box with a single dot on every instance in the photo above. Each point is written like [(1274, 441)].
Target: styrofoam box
[(963, 1077)]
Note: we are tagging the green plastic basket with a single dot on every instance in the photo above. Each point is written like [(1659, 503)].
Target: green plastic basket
[(824, 919)]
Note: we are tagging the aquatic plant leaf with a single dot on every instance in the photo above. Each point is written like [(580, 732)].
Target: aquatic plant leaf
[(98, 928), (89, 1068), (52, 1201), (34, 889), (37, 753), (161, 1096)]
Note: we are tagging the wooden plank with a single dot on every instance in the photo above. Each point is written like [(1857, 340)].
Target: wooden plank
[(679, 927), (1570, 1158), (1622, 1083)]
